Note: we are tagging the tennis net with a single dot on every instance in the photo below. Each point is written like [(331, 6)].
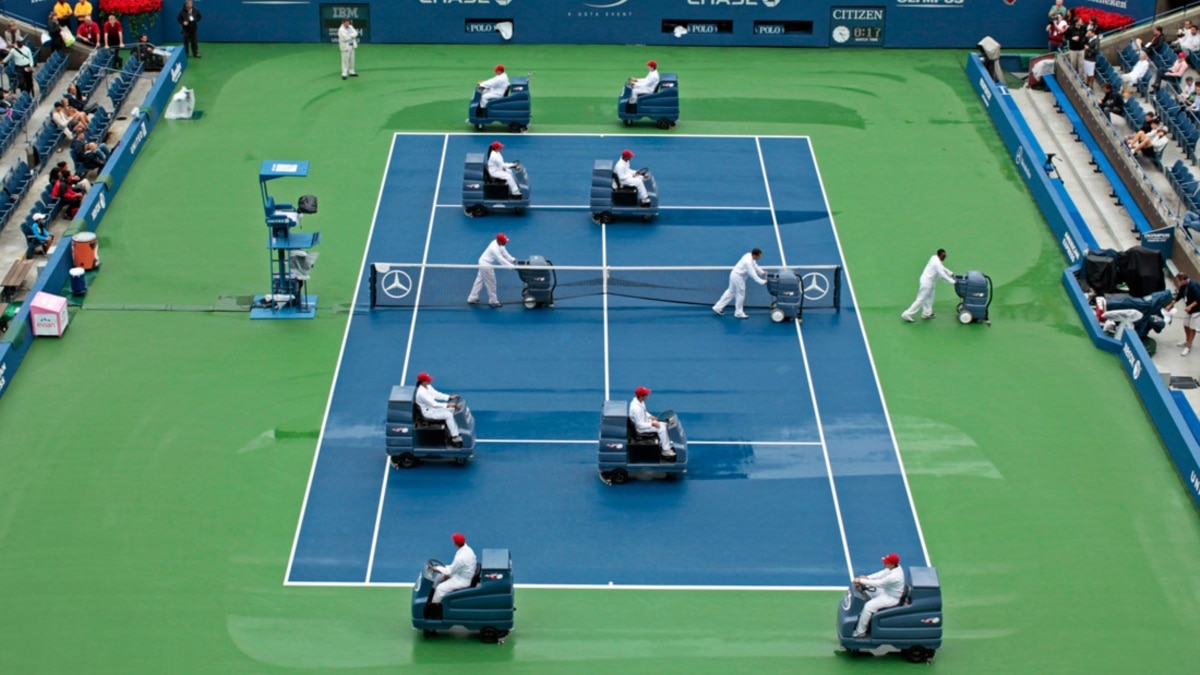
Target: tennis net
[(407, 285)]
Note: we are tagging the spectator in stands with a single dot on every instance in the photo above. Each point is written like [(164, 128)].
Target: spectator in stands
[(22, 59), (83, 8), (88, 31), (38, 237), (143, 50), (1112, 103), (13, 34), (1056, 29), (1149, 144), (78, 143), (3, 48), (1091, 47), (95, 156), (1189, 292), (1058, 11), (1157, 40), (934, 269), (113, 37), (1175, 73), (56, 44), (1075, 39), (1143, 131), (63, 191), (494, 87), (1189, 38), (61, 12), (1186, 89), (74, 98), (189, 19), (1130, 80), (66, 117), (77, 182)]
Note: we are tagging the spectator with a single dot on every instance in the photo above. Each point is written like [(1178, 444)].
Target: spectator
[(12, 34), (88, 31), (1186, 89), (1129, 81), (1151, 144), (1091, 47), (1189, 293), (1112, 103), (1143, 131), (74, 98), (113, 37), (21, 57), (95, 156), (1056, 29), (1075, 38), (61, 12), (38, 236), (1058, 11), (63, 191), (1189, 38), (1176, 71), (1156, 41), (54, 29)]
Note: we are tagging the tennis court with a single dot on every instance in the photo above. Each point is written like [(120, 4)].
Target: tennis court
[(793, 431)]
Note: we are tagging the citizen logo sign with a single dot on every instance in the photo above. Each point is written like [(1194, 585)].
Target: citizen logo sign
[(735, 3), (99, 207), (858, 14), (1068, 246)]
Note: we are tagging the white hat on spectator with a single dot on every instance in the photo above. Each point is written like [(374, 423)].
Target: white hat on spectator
[(39, 217)]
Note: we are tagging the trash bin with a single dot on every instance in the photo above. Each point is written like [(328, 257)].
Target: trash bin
[(78, 282), (84, 250)]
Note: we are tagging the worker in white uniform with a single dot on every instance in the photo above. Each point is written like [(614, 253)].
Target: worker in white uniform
[(493, 88), (458, 573), (645, 85), (501, 170), (348, 44), (889, 586), (495, 255), (933, 269), (746, 267), (645, 423), (436, 406), (627, 176)]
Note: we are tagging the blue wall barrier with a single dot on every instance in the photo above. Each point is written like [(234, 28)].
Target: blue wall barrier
[(1075, 238), (54, 277), (763, 23), (1069, 229)]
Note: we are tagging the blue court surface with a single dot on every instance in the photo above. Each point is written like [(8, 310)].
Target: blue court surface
[(794, 479)]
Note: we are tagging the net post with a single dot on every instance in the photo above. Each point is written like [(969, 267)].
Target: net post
[(837, 289), (374, 284)]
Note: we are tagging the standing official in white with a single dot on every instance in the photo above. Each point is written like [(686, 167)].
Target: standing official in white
[(889, 586), (746, 267), (348, 44), (645, 423), (627, 176), (458, 573), (933, 269), (501, 170), (645, 85), (436, 406), (494, 87), (495, 255)]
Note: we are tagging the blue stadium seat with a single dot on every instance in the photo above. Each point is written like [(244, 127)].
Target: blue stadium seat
[(1128, 56)]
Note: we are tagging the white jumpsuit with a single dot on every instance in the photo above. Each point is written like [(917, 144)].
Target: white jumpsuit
[(933, 269), (460, 572), (641, 422), (493, 88), (645, 85), (627, 176), (495, 255), (433, 407), (348, 44), (746, 267), (502, 170), (889, 586)]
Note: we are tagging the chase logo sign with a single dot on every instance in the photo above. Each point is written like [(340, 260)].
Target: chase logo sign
[(932, 4), (735, 3)]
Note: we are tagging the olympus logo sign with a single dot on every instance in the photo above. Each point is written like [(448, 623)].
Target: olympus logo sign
[(99, 207)]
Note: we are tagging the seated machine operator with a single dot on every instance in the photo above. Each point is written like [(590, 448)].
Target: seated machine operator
[(645, 423), (436, 406), (628, 177), (889, 586), (457, 575), (494, 87), (645, 85)]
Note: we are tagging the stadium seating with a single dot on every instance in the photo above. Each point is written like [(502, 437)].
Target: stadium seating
[(48, 75), (1128, 56)]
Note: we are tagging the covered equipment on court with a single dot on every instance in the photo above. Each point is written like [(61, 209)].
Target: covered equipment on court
[(487, 606), (483, 193), (537, 273), (512, 110), (624, 451), (662, 106), (914, 626), (784, 287), (975, 289), (611, 199), (410, 437)]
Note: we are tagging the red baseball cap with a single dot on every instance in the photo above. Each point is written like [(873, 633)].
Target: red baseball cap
[(424, 377), (497, 145), (641, 391), (652, 64), (502, 239), (627, 154), (458, 538), (891, 559), (499, 68)]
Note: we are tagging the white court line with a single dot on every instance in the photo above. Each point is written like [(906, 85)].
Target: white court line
[(542, 441), (870, 357), (582, 587), (812, 392), (338, 366), (387, 465), (604, 303), (576, 207), (580, 135), (412, 329)]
